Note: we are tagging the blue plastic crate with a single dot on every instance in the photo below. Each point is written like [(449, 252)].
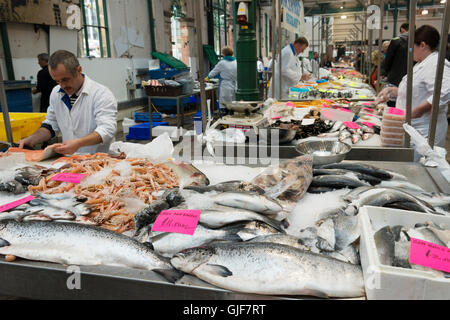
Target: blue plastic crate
[(19, 99), (144, 117), (142, 131)]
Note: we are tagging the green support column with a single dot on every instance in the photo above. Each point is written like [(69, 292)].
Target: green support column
[(246, 55), (395, 14)]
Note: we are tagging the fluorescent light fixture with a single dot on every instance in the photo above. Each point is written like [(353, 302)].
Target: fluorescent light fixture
[(344, 17), (343, 7), (443, 1), (424, 12)]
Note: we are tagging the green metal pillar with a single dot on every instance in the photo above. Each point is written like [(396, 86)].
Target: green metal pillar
[(152, 27), (7, 51), (246, 55), (395, 14)]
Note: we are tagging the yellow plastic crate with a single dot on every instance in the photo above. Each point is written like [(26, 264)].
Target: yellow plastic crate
[(22, 125)]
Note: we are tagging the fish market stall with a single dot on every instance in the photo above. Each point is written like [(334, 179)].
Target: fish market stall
[(131, 270), (373, 131)]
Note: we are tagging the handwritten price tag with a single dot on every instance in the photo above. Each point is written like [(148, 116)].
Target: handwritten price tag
[(430, 255), (15, 204), (69, 177), (177, 221)]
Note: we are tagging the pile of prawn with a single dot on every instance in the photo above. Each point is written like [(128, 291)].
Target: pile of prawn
[(106, 200)]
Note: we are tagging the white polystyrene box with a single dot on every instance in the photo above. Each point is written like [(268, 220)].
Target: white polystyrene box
[(384, 282), (174, 132)]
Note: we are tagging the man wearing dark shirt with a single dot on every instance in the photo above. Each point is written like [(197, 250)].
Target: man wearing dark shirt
[(45, 83), (396, 61)]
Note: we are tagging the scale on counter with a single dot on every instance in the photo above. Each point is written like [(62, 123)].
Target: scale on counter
[(242, 113)]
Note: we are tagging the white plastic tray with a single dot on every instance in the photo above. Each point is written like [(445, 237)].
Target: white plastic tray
[(384, 282)]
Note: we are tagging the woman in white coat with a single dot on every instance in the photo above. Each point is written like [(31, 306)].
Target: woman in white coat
[(426, 46), (226, 69), (290, 69)]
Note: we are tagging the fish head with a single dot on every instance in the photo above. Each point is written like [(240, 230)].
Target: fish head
[(190, 259)]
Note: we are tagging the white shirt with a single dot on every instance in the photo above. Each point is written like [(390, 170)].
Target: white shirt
[(260, 66), (95, 110), (424, 74), (291, 71)]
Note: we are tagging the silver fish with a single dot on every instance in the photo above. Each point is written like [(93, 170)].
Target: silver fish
[(325, 230), (249, 230), (337, 125), (228, 186), (270, 268), (356, 138), (346, 229), (219, 216), (406, 186), (44, 241), (442, 234), (37, 217), (248, 201), (367, 136), (344, 135), (361, 168), (385, 243), (167, 244), (187, 174), (379, 197), (337, 181), (285, 239)]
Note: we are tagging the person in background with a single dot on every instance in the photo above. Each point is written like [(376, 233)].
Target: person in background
[(396, 61), (226, 69), (326, 63), (291, 69), (384, 47), (45, 83), (315, 63), (426, 46), (357, 60), (269, 63), (83, 110), (374, 74), (260, 67)]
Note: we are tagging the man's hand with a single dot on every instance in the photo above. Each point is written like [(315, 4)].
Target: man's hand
[(68, 147), (305, 77), (29, 142)]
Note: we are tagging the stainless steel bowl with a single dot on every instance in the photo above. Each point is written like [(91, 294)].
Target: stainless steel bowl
[(276, 135), (324, 152)]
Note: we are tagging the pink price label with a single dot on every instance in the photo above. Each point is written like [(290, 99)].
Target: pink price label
[(177, 221), (369, 124), (290, 104), (367, 103), (351, 125), (15, 204), (343, 109), (328, 100), (326, 106), (396, 111), (69, 177), (276, 118), (429, 255)]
